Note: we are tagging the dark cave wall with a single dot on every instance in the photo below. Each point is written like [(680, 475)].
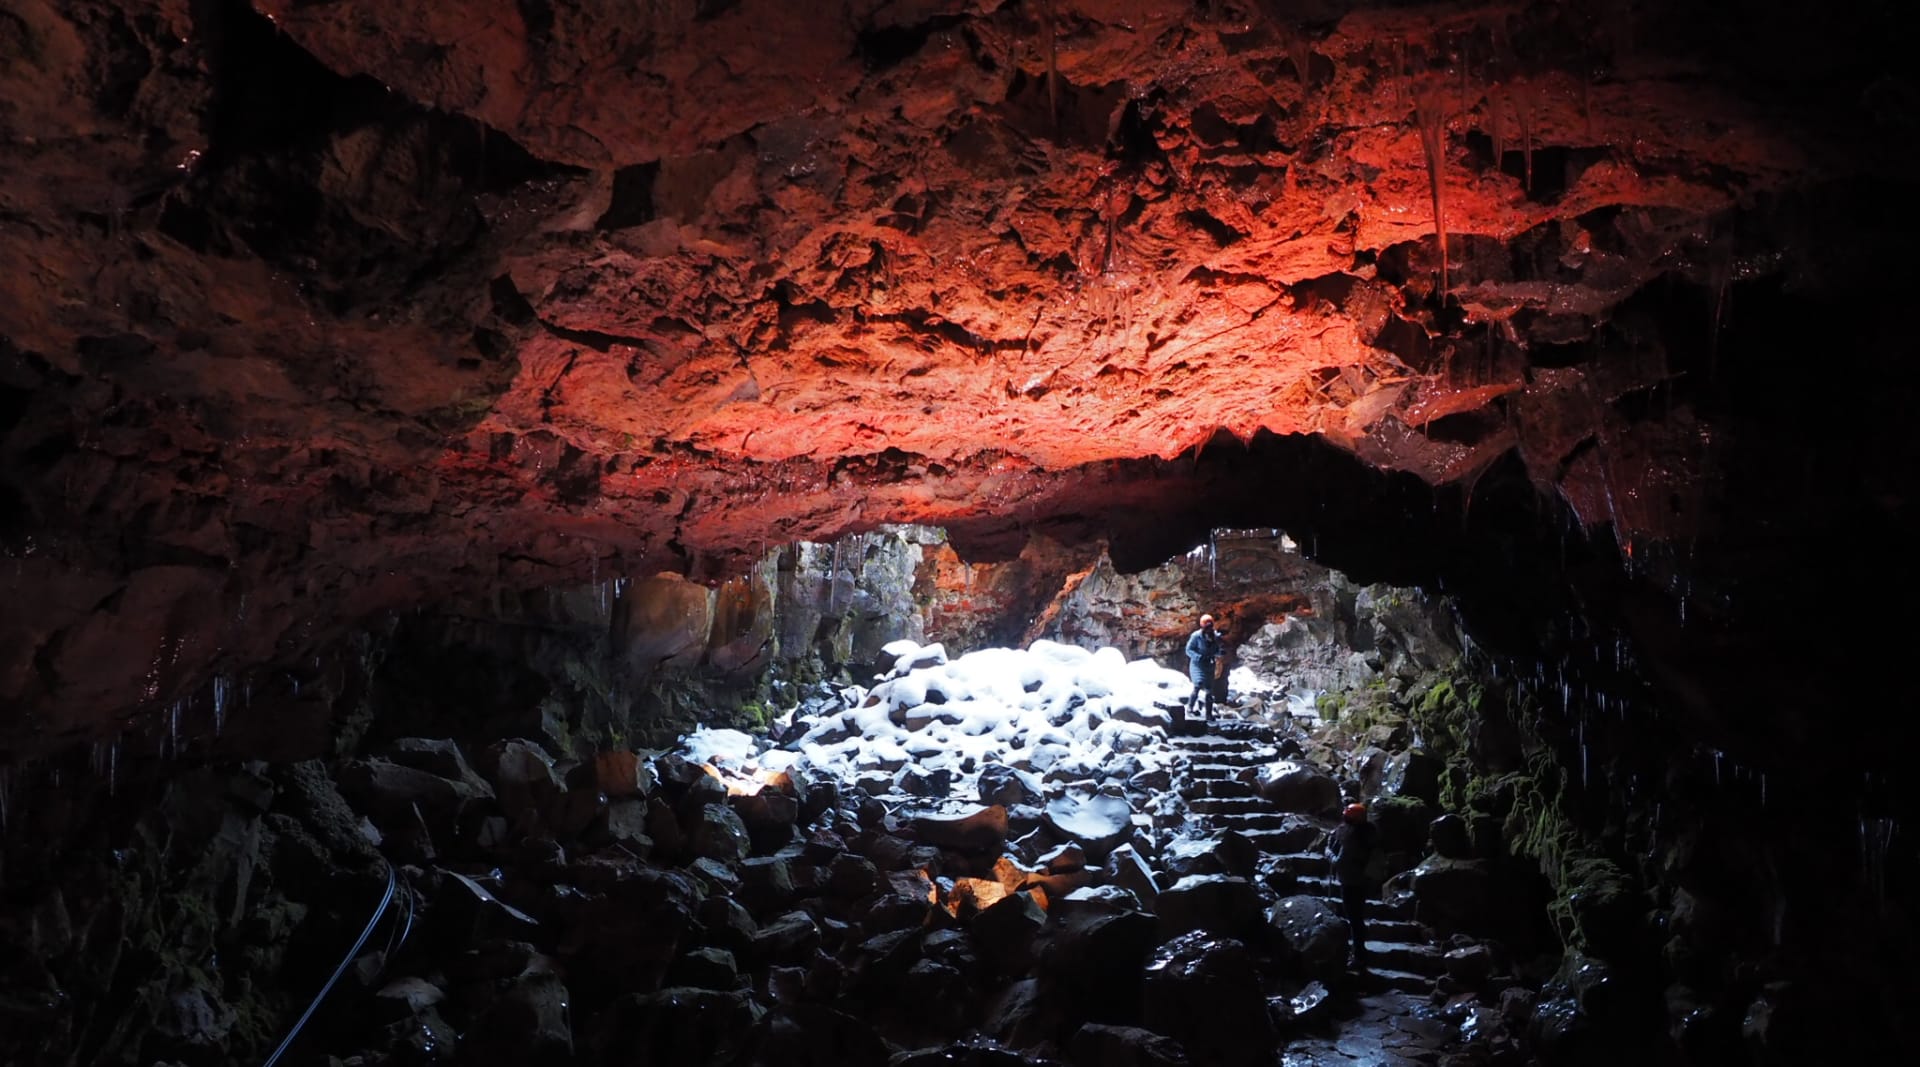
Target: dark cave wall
[(1702, 899)]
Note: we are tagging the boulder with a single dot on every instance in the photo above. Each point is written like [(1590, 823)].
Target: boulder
[(1296, 787), (1469, 965), (786, 939), (1094, 958), (1006, 787), (1452, 894), (728, 924), (1314, 938), (766, 883), (625, 823), (807, 1034), (938, 996), (706, 968), (623, 774), (1414, 774), (1098, 822), (473, 911), (525, 1021), (404, 997), (916, 781), (1583, 1011), (1126, 869), (663, 827), (575, 811), (973, 829), (439, 757), (1218, 904), (1064, 859), (1204, 992), (387, 789), (1226, 853), (715, 875), (663, 1026), (1313, 1002), (522, 776), (769, 816), (1126, 1046), (715, 832), (1449, 838), (1020, 1017), (1004, 932), (852, 876)]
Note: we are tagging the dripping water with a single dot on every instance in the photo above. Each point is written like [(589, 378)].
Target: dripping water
[(1876, 841), (220, 690)]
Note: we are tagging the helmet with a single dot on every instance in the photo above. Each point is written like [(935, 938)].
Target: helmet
[(1354, 812)]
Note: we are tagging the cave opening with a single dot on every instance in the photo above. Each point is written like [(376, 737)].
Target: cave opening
[(604, 533)]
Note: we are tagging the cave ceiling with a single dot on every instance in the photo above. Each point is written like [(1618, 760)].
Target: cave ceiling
[(341, 305)]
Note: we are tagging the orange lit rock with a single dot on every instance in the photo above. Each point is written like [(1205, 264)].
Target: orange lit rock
[(653, 290)]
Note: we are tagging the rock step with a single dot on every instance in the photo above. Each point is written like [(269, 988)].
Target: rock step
[(1377, 910), (1404, 930), (1222, 805), (1320, 885), (1247, 821), (1407, 956), (1303, 862), (1400, 981), (1224, 764), (1215, 787), (1204, 743), (1223, 728), (1274, 842), (1214, 772)]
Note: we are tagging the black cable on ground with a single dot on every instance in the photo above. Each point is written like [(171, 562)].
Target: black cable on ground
[(385, 899)]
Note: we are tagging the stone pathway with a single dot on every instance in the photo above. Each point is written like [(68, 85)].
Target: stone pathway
[(1392, 1021), (1383, 1030)]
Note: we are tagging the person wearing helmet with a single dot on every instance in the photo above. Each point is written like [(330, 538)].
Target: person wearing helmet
[(1352, 846), (1203, 651)]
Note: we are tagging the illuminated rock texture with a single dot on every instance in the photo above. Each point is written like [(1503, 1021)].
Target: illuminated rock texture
[(316, 310)]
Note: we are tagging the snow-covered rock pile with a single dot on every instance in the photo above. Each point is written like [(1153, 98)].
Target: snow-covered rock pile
[(1053, 710), (1054, 726)]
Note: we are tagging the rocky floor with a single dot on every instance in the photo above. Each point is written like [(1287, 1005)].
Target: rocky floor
[(1165, 903)]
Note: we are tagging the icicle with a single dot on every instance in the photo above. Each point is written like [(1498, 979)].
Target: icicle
[(833, 580), (113, 765), (6, 789), (219, 703)]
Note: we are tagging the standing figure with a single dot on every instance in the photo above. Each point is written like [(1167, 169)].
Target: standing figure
[(1352, 846), (1203, 651)]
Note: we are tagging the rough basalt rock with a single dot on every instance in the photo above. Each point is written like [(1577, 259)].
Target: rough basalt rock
[(322, 310)]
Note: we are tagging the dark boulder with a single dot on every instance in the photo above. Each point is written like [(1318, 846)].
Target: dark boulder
[(1204, 992)]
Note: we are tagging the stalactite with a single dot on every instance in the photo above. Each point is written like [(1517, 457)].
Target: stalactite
[(1524, 101), (1300, 52), (1496, 129), (1053, 66), (1430, 112)]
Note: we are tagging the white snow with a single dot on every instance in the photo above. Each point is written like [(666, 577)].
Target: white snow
[(1080, 714)]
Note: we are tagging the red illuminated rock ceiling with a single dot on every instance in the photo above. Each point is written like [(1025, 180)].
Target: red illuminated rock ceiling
[(345, 304)]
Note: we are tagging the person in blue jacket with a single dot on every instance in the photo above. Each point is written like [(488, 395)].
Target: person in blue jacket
[(1203, 651)]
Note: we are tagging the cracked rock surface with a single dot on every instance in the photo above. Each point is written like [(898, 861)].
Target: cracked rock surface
[(318, 310)]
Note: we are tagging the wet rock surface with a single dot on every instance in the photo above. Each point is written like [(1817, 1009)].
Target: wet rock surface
[(805, 888)]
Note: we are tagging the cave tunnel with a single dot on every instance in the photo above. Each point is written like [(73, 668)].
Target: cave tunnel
[(580, 533)]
